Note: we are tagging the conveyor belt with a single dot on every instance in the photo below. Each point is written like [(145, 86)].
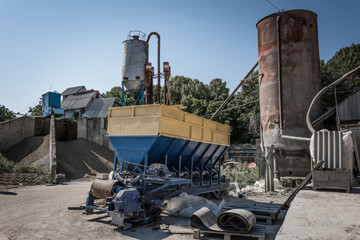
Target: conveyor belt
[(234, 220)]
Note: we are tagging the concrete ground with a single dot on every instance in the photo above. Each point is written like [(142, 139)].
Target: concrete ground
[(323, 215), (41, 212)]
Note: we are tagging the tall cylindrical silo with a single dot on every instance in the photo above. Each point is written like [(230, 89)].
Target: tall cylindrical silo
[(135, 56), (288, 45)]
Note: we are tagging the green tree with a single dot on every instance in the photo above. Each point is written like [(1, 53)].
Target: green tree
[(6, 114), (245, 112), (199, 98), (35, 111), (116, 92), (343, 61)]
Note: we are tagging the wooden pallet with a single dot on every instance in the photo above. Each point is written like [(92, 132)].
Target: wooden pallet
[(257, 232), (264, 213)]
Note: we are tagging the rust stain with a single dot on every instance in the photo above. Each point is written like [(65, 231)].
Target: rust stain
[(300, 68)]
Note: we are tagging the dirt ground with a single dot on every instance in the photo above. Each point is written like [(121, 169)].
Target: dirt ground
[(41, 212)]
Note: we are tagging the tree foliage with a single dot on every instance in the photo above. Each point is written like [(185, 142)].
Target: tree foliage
[(35, 111), (245, 111), (116, 92), (199, 98), (241, 114), (6, 114), (343, 61)]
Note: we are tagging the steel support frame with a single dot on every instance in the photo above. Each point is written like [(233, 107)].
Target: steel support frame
[(139, 99)]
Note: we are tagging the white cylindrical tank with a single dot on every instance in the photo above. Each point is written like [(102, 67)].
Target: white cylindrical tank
[(135, 56)]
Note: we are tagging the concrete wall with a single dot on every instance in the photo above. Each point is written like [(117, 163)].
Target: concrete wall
[(294, 164), (93, 129), (52, 160), (42, 126), (14, 131)]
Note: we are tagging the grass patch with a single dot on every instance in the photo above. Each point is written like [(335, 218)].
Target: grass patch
[(240, 172), (6, 166), (23, 168)]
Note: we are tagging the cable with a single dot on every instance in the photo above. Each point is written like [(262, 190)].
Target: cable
[(30, 105), (274, 6)]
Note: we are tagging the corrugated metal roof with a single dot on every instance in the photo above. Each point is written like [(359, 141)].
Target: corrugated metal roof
[(349, 109), (80, 100), (73, 90), (99, 108)]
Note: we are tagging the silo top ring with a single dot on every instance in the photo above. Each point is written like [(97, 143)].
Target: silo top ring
[(283, 13), (136, 34)]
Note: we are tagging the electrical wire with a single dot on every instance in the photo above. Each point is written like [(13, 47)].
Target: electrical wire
[(26, 109), (274, 5)]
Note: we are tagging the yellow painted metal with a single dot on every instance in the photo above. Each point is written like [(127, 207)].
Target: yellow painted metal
[(166, 121)]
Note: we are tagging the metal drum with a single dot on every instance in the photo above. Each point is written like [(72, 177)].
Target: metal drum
[(104, 188)]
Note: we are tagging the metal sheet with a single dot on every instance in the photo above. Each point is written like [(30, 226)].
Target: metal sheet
[(349, 109), (135, 56), (328, 147), (73, 90), (300, 72), (166, 150), (77, 101), (166, 121), (99, 107)]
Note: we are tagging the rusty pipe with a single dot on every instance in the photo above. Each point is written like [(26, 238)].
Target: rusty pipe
[(279, 74), (158, 62), (167, 73)]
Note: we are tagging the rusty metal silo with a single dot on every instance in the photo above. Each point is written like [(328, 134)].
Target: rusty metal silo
[(290, 64), (288, 43)]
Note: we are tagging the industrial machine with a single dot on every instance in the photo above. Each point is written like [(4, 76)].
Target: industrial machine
[(160, 151), (51, 104)]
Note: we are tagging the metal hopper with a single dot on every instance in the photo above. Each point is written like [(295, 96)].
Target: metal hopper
[(190, 146)]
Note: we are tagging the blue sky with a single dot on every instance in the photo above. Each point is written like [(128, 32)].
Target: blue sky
[(55, 44)]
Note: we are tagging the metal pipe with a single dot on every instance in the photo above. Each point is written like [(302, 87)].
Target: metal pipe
[(149, 84), (322, 91), (279, 74), (296, 138), (158, 62), (269, 173), (276, 168), (235, 90), (167, 73)]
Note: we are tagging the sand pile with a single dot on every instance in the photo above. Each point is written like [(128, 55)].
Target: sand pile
[(74, 158), (77, 157), (34, 151)]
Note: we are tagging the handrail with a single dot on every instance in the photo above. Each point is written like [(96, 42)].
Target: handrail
[(322, 91)]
